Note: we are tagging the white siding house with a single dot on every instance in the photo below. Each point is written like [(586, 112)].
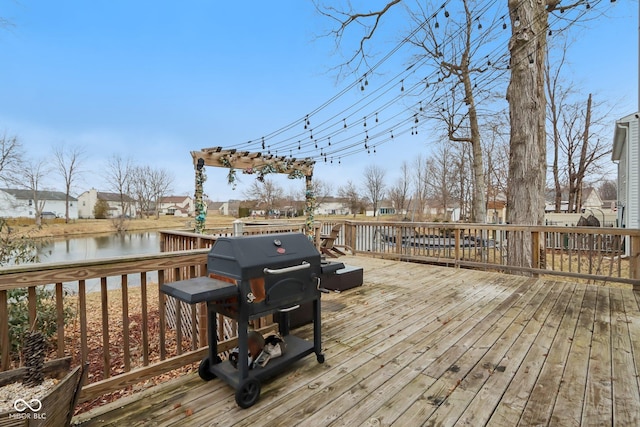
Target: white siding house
[(87, 202), (333, 206), (626, 152), (20, 204), (176, 205)]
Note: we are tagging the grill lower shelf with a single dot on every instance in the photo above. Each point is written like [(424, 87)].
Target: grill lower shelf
[(297, 348)]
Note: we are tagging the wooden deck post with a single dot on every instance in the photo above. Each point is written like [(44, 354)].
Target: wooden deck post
[(634, 260), (456, 249), (535, 249)]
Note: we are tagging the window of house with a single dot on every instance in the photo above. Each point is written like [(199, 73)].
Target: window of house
[(30, 202), (70, 203), (84, 203), (30, 213)]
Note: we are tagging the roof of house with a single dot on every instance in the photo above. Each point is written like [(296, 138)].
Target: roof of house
[(112, 197), (42, 195), (215, 205), (174, 199)]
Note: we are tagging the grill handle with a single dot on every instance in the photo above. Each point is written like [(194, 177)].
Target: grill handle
[(286, 270), (286, 310)]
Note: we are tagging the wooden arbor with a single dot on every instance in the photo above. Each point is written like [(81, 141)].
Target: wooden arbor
[(250, 163)]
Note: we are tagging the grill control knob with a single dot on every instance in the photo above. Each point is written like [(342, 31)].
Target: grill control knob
[(277, 242)]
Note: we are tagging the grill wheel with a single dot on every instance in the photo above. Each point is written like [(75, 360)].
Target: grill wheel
[(248, 393)]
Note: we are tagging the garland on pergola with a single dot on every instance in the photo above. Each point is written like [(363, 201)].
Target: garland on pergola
[(250, 163)]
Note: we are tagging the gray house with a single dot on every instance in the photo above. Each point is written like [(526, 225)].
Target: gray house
[(626, 153)]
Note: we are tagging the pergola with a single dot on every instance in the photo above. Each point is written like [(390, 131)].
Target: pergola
[(250, 163)]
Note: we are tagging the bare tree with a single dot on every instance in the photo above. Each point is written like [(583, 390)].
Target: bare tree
[(440, 180), (321, 190), (161, 182), (148, 186), (33, 173), (557, 97), (68, 164), (268, 193), (349, 192), (374, 186), (399, 193), (420, 186), (118, 174), (608, 190), (453, 50), (10, 156)]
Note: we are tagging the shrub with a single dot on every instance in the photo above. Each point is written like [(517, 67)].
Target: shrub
[(101, 209), (46, 319)]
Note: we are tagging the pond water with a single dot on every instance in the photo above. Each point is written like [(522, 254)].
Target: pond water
[(102, 246)]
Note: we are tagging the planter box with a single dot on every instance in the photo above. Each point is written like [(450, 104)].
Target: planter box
[(57, 407)]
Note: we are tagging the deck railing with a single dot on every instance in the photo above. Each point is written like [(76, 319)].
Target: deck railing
[(595, 254), (118, 323)]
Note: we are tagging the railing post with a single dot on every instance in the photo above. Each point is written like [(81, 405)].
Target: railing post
[(398, 239), (238, 227), (456, 249), (535, 249), (317, 231), (634, 260)]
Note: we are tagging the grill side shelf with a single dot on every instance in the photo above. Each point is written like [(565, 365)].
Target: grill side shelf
[(199, 289)]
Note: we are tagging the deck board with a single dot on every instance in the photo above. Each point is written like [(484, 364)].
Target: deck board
[(427, 345)]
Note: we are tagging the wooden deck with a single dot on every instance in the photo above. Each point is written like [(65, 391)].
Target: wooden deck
[(425, 345)]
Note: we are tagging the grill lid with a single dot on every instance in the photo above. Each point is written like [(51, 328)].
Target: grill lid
[(246, 257)]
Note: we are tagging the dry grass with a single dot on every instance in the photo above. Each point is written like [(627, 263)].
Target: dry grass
[(57, 227)]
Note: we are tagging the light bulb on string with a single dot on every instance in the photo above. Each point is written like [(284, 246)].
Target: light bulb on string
[(402, 85), (416, 118), (420, 105), (263, 142), (365, 121), (298, 144), (344, 121), (329, 141), (504, 25), (374, 149), (339, 161), (516, 22), (437, 25), (446, 13), (376, 117), (391, 134), (531, 60)]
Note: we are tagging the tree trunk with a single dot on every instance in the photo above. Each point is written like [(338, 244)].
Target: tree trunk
[(526, 96), (66, 207), (582, 166)]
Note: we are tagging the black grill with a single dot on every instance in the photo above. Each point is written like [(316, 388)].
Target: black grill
[(250, 277)]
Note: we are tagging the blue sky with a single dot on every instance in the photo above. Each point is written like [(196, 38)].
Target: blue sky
[(152, 80)]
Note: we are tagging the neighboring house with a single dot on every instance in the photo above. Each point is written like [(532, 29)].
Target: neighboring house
[(626, 153), (19, 203), (385, 207), (218, 208), (87, 202), (590, 200), (333, 206), (496, 212), (176, 205)]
